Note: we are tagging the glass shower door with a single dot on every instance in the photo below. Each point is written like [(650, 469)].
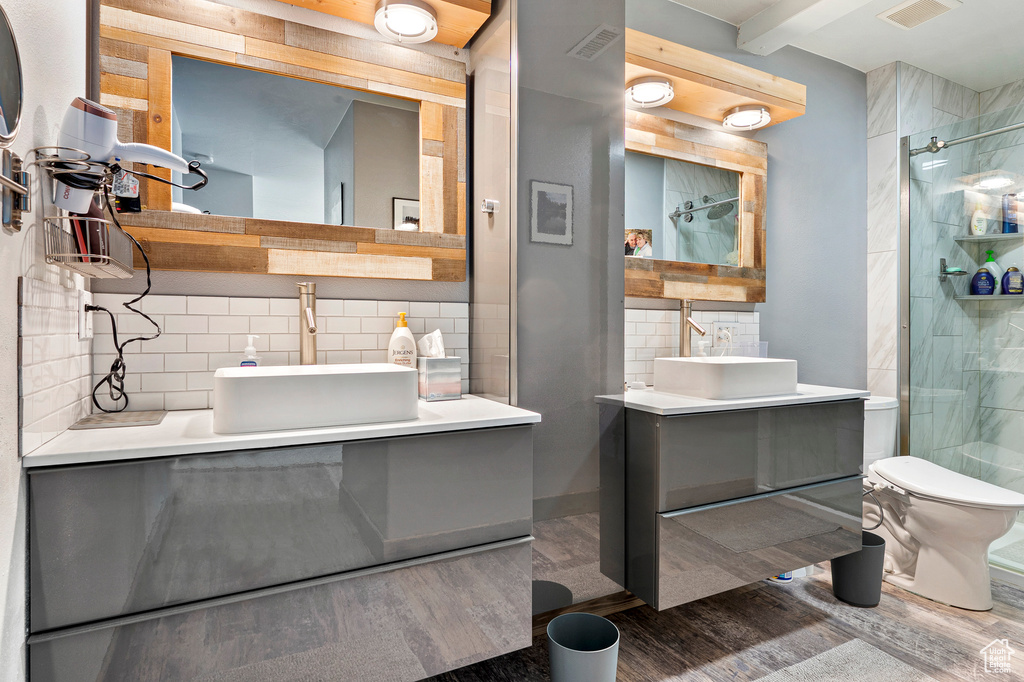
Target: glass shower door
[(966, 354)]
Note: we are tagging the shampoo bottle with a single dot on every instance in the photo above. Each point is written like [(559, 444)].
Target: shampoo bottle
[(1013, 282), (993, 268), (983, 283), (402, 349), (249, 357), (979, 224)]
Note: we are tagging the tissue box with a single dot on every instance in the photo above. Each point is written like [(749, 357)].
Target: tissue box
[(440, 378)]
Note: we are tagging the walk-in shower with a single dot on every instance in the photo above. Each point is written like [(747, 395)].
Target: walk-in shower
[(962, 356)]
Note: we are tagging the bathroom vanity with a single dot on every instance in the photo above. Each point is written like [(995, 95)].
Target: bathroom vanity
[(385, 551), (702, 496)]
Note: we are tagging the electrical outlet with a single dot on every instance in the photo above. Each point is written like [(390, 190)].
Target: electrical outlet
[(722, 332), (84, 317)]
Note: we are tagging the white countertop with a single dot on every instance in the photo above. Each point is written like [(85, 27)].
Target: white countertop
[(188, 432), (669, 404)]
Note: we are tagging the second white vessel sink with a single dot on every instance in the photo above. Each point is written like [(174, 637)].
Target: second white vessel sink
[(725, 378), (247, 399)]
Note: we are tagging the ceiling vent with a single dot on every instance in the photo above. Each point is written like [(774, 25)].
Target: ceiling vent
[(907, 15), (591, 47)]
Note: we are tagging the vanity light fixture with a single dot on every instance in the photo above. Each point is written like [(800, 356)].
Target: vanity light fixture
[(650, 91), (747, 117), (407, 21)]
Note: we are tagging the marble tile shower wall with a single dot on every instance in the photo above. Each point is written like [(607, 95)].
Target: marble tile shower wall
[(655, 334), (205, 333), (54, 368), (902, 100), (702, 240)]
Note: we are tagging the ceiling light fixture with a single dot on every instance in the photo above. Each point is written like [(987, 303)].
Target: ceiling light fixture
[(650, 91), (407, 21), (747, 117)]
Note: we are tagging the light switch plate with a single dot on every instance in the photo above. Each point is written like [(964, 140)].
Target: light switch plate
[(84, 318)]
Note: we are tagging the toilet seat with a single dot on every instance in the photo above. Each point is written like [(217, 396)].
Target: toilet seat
[(928, 480)]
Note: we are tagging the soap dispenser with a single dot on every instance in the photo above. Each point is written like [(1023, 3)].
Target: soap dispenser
[(249, 357), (402, 349), (992, 266)]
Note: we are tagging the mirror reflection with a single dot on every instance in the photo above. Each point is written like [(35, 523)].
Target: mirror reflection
[(681, 211), (325, 154), (10, 81)]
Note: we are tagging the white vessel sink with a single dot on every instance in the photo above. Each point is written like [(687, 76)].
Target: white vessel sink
[(247, 399), (726, 378)]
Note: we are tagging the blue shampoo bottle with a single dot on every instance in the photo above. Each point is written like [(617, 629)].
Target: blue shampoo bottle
[(1009, 213)]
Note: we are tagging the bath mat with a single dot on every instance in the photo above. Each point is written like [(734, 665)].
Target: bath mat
[(755, 525), (1012, 552), (854, 661)]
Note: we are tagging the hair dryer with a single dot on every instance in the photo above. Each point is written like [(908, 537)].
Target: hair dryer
[(92, 128)]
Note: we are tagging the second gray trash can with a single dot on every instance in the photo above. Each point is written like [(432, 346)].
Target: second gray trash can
[(583, 648)]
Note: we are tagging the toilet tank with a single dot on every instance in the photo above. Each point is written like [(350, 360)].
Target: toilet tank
[(881, 417)]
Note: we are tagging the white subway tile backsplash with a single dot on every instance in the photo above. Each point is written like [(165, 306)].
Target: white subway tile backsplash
[(203, 334)]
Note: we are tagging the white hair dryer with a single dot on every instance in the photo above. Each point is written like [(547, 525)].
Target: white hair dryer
[(92, 128)]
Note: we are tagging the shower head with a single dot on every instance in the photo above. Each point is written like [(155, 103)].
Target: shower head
[(719, 211)]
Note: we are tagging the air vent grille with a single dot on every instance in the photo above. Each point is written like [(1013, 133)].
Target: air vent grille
[(913, 13), (591, 47)]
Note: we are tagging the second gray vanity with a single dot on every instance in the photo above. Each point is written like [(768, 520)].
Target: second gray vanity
[(386, 551), (703, 496)]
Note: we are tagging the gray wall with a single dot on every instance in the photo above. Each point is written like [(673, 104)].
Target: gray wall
[(387, 161), (228, 193), (645, 198), (570, 298), (816, 310), (338, 169)]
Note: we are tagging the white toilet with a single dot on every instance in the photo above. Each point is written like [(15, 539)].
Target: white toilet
[(937, 524)]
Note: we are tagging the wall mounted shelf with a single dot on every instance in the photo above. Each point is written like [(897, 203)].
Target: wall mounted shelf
[(992, 299), (709, 86), (990, 238)]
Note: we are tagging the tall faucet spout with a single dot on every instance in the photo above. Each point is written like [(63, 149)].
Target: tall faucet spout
[(307, 323), (686, 322)]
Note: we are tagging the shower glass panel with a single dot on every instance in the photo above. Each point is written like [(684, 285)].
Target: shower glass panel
[(966, 359)]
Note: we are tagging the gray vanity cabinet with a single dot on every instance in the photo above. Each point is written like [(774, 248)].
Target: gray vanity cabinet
[(409, 555), (711, 501)]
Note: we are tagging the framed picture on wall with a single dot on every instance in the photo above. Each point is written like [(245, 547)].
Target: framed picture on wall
[(405, 214), (550, 213)]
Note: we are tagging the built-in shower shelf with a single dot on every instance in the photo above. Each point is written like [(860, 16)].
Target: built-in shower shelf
[(992, 299), (990, 238)]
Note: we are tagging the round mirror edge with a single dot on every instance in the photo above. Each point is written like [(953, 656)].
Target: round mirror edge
[(6, 140)]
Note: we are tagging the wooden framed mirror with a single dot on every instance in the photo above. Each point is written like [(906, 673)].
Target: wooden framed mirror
[(141, 42), (698, 192)]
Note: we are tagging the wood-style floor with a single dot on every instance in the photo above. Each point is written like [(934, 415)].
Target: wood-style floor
[(752, 631)]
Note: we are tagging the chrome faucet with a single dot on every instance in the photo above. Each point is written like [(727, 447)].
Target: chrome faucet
[(307, 323), (686, 321)]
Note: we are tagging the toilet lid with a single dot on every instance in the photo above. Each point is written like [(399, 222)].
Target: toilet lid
[(879, 402), (927, 479)]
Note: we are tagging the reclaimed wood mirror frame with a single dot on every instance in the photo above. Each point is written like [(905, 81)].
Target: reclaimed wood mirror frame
[(136, 41), (744, 282)]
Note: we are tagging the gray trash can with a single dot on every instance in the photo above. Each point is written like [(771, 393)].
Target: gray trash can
[(857, 577), (583, 648)]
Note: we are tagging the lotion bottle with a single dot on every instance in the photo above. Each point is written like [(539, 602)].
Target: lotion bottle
[(992, 266), (402, 348), (978, 222)]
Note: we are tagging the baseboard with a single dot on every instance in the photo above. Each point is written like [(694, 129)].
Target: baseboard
[(570, 504), (1005, 575)]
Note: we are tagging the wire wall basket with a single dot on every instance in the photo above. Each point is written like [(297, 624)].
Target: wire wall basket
[(89, 246)]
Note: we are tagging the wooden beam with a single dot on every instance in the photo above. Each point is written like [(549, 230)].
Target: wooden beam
[(789, 20), (159, 124)]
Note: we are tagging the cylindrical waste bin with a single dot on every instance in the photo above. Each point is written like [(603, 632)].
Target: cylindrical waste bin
[(583, 648), (857, 577)]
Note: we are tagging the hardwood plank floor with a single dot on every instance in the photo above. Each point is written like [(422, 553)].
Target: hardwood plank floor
[(755, 630)]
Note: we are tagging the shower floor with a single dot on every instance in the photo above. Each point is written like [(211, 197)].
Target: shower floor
[(1008, 551)]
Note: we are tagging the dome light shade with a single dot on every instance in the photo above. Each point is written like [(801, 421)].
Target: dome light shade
[(748, 117), (407, 21), (650, 91)]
